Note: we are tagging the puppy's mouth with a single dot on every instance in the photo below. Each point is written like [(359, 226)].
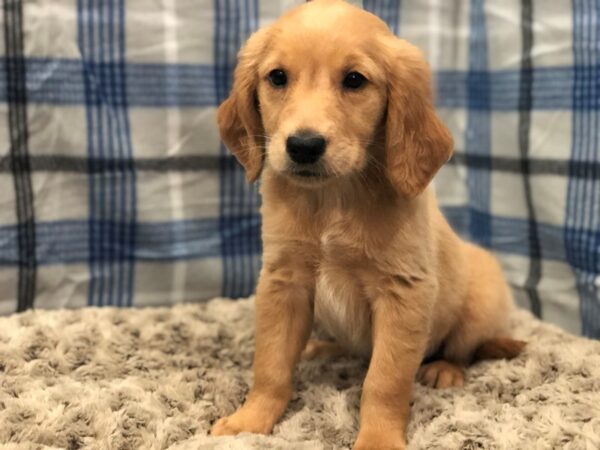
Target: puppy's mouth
[(307, 176), (307, 173)]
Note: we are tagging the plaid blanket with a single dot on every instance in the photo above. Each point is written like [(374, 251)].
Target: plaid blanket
[(115, 188)]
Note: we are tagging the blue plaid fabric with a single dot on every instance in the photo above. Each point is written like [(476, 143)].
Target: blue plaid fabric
[(116, 190)]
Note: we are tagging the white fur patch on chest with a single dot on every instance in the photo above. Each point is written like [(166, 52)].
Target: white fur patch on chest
[(342, 309)]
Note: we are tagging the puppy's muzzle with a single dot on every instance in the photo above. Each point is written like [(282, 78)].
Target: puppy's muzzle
[(305, 147)]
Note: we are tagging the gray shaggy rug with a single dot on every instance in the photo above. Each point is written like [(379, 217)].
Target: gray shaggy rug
[(158, 379)]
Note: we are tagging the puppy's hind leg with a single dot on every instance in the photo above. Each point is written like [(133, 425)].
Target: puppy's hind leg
[(480, 332), (499, 348)]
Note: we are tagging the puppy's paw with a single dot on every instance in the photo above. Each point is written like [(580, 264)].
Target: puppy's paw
[(441, 375), (241, 422), (378, 440), (223, 428)]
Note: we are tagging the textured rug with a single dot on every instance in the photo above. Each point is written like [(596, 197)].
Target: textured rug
[(158, 378)]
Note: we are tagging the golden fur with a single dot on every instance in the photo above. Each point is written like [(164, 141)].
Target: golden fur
[(363, 249)]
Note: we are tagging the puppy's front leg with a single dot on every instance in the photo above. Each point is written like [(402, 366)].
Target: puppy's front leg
[(283, 323), (399, 339)]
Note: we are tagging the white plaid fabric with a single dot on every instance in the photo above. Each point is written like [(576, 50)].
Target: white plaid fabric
[(116, 190)]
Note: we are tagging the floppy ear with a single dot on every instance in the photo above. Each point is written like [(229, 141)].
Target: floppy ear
[(417, 142), (239, 119)]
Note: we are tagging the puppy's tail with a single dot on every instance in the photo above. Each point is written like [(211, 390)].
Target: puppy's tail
[(499, 348)]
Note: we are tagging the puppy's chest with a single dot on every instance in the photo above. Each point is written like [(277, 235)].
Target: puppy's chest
[(341, 302)]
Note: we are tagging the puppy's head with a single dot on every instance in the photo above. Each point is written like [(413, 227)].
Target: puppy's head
[(328, 90)]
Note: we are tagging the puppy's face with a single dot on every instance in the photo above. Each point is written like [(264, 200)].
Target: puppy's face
[(321, 93), (327, 90)]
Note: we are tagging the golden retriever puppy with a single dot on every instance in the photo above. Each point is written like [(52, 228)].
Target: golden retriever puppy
[(336, 114)]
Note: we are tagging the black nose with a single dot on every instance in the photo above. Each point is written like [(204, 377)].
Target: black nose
[(305, 147)]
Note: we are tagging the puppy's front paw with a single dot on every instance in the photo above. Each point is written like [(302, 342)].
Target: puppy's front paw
[(225, 427), (244, 420), (379, 440), (233, 424)]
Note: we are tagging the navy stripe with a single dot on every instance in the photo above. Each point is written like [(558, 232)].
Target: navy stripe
[(95, 130), (536, 166), (511, 235), (550, 89), (112, 186), (200, 163), (131, 228), (95, 51), (66, 242), (19, 153), (535, 250), (82, 38), (61, 82), (80, 164), (105, 136), (477, 133), (114, 149)]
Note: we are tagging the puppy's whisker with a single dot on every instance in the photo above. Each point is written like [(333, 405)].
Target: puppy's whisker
[(376, 164), (370, 143)]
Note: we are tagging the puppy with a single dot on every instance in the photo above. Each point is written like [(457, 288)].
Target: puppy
[(337, 115)]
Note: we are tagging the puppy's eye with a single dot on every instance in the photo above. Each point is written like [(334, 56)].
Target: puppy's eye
[(278, 78), (354, 80)]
